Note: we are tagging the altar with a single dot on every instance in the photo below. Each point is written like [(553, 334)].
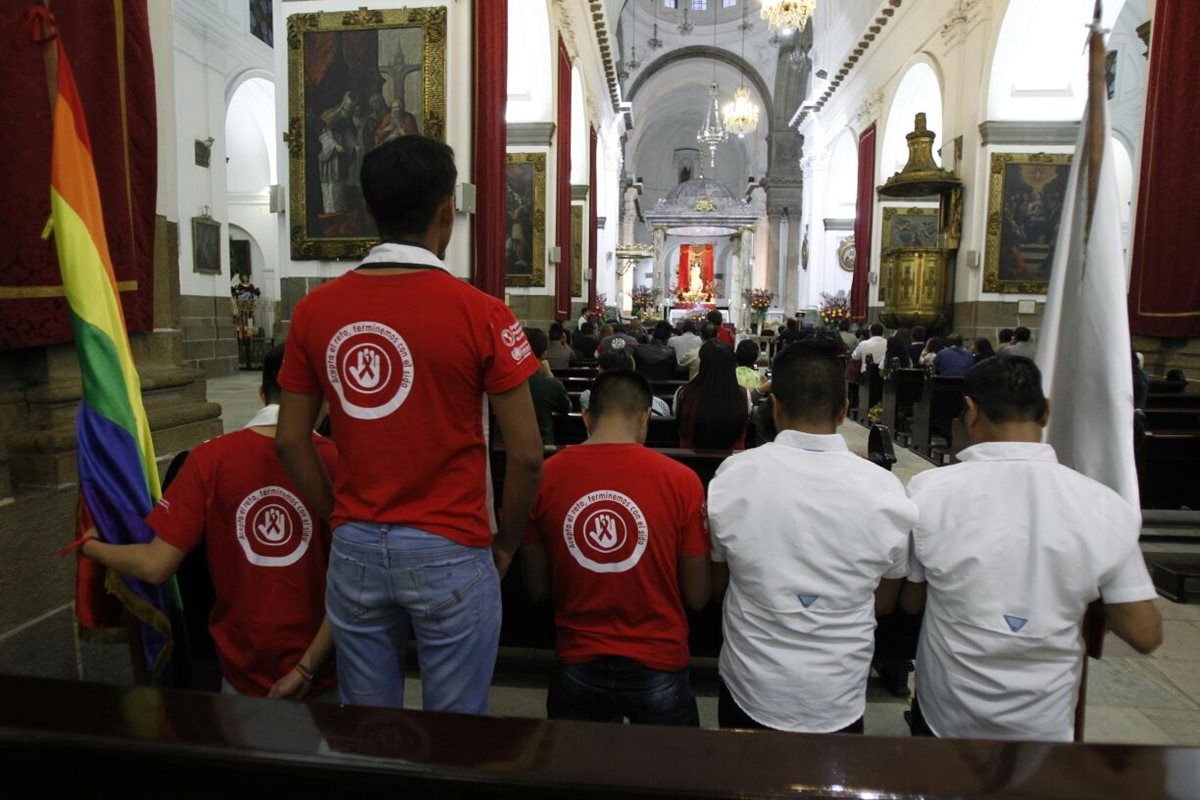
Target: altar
[(677, 315)]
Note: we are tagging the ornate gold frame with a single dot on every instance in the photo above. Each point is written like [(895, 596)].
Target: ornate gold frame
[(576, 251), (538, 278), (845, 254), (995, 221), (433, 73), (889, 216)]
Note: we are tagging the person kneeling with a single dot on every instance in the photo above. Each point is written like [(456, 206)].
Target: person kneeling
[(618, 537)]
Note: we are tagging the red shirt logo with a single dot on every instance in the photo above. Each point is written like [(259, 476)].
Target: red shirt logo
[(370, 368), (273, 527), (605, 531)]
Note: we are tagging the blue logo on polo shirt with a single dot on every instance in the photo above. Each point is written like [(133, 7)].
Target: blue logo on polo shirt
[(807, 600), (1015, 623)]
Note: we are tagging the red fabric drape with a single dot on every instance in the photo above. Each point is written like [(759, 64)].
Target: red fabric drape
[(1164, 289), (685, 264), (124, 142), (490, 24), (562, 275), (864, 211), (593, 222)]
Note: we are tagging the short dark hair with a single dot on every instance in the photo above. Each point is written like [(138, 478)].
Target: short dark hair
[(272, 361), (876, 329), (404, 181), (615, 359), (1004, 335), (623, 392), (844, 325), (587, 328), (663, 331), (556, 332), (1007, 389), (618, 327), (918, 333), (809, 381), (747, 353), (537, 342), (714, 317), (688, 326), (1022, 334), (708, 331)]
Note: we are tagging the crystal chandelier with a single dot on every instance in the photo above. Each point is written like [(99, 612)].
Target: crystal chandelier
[(686, 26), (713, 133), (654, 42), (741, 116), (788, 14)]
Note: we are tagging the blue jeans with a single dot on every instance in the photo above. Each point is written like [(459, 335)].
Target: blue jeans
[(610, 689), (385, 580)]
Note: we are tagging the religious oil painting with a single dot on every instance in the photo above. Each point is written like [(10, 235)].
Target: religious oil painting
[(357, 79), (206, 245), (1025, 205), (905, 228), (525, 229)]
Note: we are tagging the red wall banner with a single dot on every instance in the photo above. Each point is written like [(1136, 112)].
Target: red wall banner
[(562, 272), (490, 24), (685, 264), (864, 212)]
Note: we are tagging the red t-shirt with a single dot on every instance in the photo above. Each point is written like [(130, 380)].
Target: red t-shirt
[(267, 553), (404, 361), (615, 519)]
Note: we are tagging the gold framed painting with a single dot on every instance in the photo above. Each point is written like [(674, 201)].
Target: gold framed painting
[(356, 79), (206, 245), (525, 230), (1025, 204), (576, 251)]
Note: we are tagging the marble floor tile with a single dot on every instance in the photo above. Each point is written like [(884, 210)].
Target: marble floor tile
[(1173, 610), (1181, 642), (1182, 725), (1122, 725), (1181, 676), (1120, 682)]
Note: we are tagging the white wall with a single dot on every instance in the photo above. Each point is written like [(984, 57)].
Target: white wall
[(531, 64)]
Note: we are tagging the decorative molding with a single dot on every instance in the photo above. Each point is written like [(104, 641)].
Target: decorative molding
[(872, 33), (958, 22), (1143, 32), (838, 224), (869, 108), (530, 134), (605, 40), (579, 191), (1028, 132)]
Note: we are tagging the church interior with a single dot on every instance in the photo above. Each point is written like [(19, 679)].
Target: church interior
[(779, 162)]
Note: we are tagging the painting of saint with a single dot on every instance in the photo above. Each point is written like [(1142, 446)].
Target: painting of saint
[(1024, 209)]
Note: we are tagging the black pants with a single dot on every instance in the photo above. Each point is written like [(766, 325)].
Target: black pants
[(731, 715), (916, 720)]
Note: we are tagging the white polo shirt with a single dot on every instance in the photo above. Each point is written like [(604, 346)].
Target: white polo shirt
[(808, 530), (876, 347), (1013, 547)]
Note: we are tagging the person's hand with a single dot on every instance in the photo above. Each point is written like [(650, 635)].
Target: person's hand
[(292, 685), (503, 559)]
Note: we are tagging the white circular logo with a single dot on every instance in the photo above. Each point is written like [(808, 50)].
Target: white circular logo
[(370, 368), (605, 531), (508, 337), (273, 527)]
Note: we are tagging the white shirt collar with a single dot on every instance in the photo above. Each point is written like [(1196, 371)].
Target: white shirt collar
[(390, 252), (267, 415), (816, 442), (1009, 451)]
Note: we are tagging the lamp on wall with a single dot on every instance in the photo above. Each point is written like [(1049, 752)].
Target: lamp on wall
[(787, 15)]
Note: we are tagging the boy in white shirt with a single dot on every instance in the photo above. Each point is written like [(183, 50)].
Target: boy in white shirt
[(812, 541), (1010, 549)]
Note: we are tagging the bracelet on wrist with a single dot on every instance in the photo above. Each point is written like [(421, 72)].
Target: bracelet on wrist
[(305, 672)]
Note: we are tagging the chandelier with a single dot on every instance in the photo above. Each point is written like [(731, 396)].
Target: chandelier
[(686, 26), (741, 116), (713, 133), (787, 14)]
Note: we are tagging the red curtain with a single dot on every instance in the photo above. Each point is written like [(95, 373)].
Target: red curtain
[(111, 59), (1164, 288), (490, 24), (593, 223), (562, 275), (864, 211)]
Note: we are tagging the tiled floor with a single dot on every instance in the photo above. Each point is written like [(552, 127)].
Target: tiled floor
[(1131, 698)]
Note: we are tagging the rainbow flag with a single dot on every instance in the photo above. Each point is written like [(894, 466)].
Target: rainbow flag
[(118, 477)]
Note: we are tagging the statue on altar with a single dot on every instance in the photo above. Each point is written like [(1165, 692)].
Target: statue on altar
[(698, 291)]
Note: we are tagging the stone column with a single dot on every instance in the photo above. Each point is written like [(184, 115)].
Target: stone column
[(661, 279)]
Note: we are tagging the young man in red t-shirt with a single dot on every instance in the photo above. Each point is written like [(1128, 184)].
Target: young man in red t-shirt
[(405, 354), (267, 553), (619, 537)]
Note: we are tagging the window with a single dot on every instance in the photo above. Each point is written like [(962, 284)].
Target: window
[(728, 3), (670, 3), (699, 5)]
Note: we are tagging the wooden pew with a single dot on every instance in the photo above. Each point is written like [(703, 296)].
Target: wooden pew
[(569, 429), (575, 372), (1167, 465), (901, 389), (76, 739), (940, 402)]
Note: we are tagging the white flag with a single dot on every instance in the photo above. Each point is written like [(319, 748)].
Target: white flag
[(1084, 345)]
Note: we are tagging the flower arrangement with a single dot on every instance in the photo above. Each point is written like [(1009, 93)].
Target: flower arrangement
[(834, 308), (695, 297), (600, 308), (643, 297)]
